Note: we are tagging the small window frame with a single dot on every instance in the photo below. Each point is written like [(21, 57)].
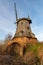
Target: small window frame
[(21, 23)]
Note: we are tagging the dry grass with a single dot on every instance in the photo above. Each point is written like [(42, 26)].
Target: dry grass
[(33, 55)]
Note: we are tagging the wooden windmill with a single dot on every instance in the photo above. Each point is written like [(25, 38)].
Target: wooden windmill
[(23, 33)]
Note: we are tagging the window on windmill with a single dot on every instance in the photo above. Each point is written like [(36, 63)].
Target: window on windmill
[(21, 22), (28, 27), (22, 32)]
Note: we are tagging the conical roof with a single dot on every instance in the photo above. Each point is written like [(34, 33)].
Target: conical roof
[(28, 19)]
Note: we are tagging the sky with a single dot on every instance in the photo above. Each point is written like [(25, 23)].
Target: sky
[(33, 8)]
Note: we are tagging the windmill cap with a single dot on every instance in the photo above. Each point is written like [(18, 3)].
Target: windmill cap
[(28, 19)]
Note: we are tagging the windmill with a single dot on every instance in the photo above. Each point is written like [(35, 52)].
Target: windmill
[(23, 34)]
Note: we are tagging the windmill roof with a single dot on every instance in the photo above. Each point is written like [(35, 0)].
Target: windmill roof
[(28, 19)]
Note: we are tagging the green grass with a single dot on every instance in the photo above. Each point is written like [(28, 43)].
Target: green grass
[(33, 47)]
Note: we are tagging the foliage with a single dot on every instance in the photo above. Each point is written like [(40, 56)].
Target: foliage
[(33, 55)]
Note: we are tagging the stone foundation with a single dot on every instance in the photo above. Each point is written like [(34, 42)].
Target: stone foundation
[(23, 41)]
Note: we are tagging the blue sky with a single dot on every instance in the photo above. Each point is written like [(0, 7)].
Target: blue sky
[(33, 8)]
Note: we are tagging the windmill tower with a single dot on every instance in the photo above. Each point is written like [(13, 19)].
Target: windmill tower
[(23, 33)]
